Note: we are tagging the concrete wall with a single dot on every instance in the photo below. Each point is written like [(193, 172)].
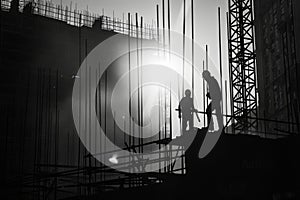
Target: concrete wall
[(39, 56)]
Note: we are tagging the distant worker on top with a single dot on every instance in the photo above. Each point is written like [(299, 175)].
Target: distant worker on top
[(14, 6), (215, 95), (186, 109)]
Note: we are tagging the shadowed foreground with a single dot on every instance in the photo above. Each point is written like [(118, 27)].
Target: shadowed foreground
[(239, 167)]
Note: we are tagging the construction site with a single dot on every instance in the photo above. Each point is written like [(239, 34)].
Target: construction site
[(74, 128)]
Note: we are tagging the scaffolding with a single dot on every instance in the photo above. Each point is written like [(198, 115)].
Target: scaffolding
[(81, 174), (242, 65)]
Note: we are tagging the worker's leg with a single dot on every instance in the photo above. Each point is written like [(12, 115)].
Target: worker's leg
[(217, 108), (209, 114), (191, 123), (184, 124)]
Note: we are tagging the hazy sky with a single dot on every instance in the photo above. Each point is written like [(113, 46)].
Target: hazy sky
[(206, 26)]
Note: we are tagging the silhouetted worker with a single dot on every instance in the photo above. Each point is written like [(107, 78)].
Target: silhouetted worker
[(14, 6), (215, 96), (98, 23), (186, 109), (28, 8)]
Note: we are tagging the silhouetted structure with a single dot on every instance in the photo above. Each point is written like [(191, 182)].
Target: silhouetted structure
[(42, 47), (278, 54), (42, 156), (242, 65)]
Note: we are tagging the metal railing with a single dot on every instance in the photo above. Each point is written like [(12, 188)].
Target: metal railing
[(80, 18)]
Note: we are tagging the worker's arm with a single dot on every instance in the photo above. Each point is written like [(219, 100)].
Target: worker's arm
[(179, 111), (193, 107)]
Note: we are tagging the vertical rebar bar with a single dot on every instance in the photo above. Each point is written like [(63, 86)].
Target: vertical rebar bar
[(157, 26), (105, 112), (90, 128), (206, 58), (204, 102), (56, 132), (183, 46), (142, 91), (220, 54), (163, 22), (129, 80), (138, 78), (165, 136), (80, 114), (193, 52), (230, 74), (169, 29), (226, 101), (159, 129)]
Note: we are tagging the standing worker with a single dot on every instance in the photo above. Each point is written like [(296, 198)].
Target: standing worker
[(215, 95), (186, 109)]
